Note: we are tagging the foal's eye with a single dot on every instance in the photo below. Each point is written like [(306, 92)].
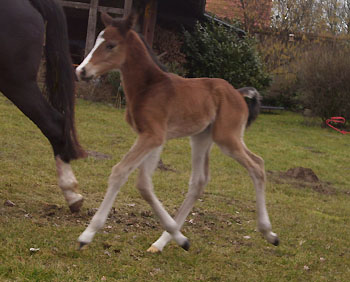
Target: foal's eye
[(110, 46)]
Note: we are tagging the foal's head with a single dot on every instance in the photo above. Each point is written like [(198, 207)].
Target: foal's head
[(109, 51)]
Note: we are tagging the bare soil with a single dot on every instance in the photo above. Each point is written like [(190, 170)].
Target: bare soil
[(301, 177)]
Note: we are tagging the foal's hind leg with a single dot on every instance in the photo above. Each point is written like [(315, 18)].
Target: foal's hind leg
[(145, 187), (201, 145), (235, 148), (29, 99)]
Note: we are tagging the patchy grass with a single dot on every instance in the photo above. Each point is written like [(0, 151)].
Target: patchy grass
[(313, 226)]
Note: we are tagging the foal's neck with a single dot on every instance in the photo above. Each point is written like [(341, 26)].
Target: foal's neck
[(139, 70)]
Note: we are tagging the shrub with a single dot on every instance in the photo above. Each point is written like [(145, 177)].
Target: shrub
[(283, 92), (324, 79), (281, 59), (213, 50), (106, 89), (167, 45), (113, 78)]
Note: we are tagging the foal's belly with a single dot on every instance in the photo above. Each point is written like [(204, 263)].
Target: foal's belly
[(186, 129)]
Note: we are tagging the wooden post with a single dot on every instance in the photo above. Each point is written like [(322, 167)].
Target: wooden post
[(127, 7), (93, 8), (91, 30), (149, 21)]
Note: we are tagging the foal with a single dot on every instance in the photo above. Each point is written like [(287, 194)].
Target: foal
[(162, 106)]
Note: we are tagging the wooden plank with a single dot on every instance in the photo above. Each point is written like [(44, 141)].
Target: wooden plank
[(111, 10), (86, 6), (149, 21), (76, 5), (91, 30), (127, 7), (93, 8)]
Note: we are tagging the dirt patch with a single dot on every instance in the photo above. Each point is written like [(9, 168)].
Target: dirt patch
[(313, 150), (99, 156), (302, 174), (51, 210), (301, 177), (164, 167)]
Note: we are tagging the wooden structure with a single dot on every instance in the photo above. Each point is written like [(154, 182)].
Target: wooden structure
[(93, 8), (149, 19), (84, 22)]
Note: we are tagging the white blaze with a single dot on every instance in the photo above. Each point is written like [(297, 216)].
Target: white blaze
[(100, 39)]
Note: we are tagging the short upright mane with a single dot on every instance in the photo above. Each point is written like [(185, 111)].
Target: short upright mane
[(152, 54)]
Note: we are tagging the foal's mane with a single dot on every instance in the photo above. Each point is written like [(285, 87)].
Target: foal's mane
[(123, 25), (152, 54)]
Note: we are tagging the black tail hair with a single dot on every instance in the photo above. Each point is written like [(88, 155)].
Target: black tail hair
[(60, 73), (253, 99)]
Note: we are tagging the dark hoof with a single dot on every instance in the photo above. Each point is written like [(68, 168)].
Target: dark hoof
[(186, 245), (75, 207), (276, 242), (82, 244)]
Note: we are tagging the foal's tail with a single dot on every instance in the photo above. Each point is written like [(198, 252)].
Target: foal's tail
[(59, 73), (253, 101)]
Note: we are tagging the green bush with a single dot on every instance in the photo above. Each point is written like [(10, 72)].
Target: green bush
[(324, 80), (284, 92), (113, 78), (213, 50)]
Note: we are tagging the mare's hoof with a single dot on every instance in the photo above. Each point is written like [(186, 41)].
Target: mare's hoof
[(186, 245), (75, 207), (154, 250)]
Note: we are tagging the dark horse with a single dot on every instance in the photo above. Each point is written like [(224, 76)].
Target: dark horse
[(25, 27)]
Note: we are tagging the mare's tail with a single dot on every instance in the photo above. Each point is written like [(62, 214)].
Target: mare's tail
[(253, 101), (59, 72)]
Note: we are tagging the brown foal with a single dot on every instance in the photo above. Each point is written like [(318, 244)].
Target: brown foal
[(162, 106)]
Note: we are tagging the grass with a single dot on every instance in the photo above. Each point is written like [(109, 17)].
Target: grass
[(313, 227)]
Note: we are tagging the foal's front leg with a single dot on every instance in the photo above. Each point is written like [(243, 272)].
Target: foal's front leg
[(117, 178), (201, 145), (145, 186)]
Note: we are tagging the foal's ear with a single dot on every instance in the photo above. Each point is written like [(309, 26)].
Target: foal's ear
[(130, 20), (106, 19)]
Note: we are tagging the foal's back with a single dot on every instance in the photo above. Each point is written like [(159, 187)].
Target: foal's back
[(193, 104)]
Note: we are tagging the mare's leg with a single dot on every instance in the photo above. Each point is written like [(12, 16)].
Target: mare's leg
[(27, 96), (233, 146), (144, 147), (201, 145), (145, 186)]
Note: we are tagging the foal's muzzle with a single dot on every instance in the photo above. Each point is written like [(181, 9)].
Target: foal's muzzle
[(82, 74)]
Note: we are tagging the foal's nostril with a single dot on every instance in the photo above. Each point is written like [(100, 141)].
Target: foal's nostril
[(83, 74)]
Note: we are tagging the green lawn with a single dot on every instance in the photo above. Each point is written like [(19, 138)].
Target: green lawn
[(313, 227)]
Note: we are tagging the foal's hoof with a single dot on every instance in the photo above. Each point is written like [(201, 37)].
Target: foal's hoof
[(276, 242), (273, 239), (81, 245), (154, 250), (75, 207), (186, 245)]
